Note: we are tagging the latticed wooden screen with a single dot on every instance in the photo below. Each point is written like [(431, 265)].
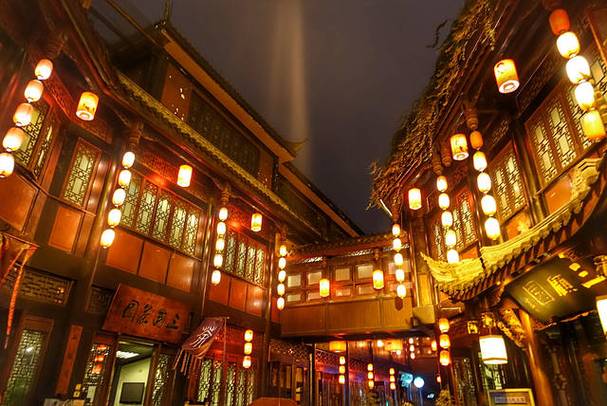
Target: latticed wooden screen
[(239, 384), (27, 358), (245, 257), (96, 369), (464, 222), (437, 233), (161, 379), (80, 173), (507, 183), (32, 131)]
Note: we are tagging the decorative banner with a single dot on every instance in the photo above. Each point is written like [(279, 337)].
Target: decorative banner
[(143, 314), (198, 344)]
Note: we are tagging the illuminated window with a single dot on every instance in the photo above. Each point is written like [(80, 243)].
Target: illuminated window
[(508, 184), (245, 257), (25, 365), (81, 172), (463, 220)]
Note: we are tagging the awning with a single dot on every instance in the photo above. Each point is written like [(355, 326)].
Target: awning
[(198, 343)]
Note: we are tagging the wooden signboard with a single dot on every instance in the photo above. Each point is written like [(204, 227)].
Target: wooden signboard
[(511, 397), (143, 314)]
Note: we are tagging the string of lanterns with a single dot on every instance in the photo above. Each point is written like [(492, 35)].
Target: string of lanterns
[(342, 370), (370, 376), (412, 348), (397, 245), (392, 379), (248, 349), (220, 243), (444, 342), (282, 276), (444, 203)]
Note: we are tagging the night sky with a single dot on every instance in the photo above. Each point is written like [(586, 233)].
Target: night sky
[(337, 74)]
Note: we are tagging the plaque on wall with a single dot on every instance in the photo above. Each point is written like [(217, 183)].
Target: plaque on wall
[(143, 314)]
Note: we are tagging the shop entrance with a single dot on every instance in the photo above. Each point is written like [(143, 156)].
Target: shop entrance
[(131, 373)]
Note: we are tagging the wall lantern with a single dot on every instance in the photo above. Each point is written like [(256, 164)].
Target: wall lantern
[(493, 350), (450, 238), (396, 230), (248, 348), (23, 115), (593, 126), (107, 237), (256, 221), (216, 277), (483, 182), (479, 161), (444, 201), (559, 21), (324, 287), (342, 379), (43, 69), (578, 69), (7, 164), (488, 205), (415, 198), (443, 325), (568, 45), (87, 106), (441, 183), (280, 303), (337, 346), (184, 176), (246, 362), (452, 256), (444, 358), (33, 90), (378, 279), (492, 228), (444, 341), (401, 291), (446, 218), (459, 147), (13, 139), (601, 307), (506, 76)]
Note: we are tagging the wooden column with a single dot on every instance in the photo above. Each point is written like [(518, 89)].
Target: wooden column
[(264, 362), (543, 391)]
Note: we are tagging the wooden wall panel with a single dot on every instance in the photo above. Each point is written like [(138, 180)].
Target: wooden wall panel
[(255, 300), (16, 196), (304, 319), (65, 228), (181, 272), (360, 315), (238, 294), (221, 292), (69, 357), (124, 254), (397, 313), (154, 262)]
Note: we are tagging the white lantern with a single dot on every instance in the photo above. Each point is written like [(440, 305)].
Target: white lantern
[(87, 106), (223, 214), (479, 161), (282, 263), (43, 69), (396, 230), (397, 244), (452, 256), (441, 183), (107, 237), (216, 277), (118, 197), (13, 139), (568, 45), (220, 244), (7, 164), (492, 228), (280, 289), (246, 362), (584, 95), (324, 287), (113, 217), (446, 218), (401, 291), (282, 276), (282, 250), (399, 259), (280, 303), (378, 279), (484, 182), (444, 201), (124, 178), (400, 274), (578, 69), (493, 350), (33, 90), (450, 238), (218, 260), (256, 222), (128, 159), (488, 205), (23, 115), (221, 228)]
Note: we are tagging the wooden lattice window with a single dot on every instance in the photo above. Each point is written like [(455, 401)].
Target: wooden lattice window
[(463, 220), (161, 380), (437, 233), (244, 257), (239, 384), (26, 153), (508, 188), (80, 174), (25, 365)]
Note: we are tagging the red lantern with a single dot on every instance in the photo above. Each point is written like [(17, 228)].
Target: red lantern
[(559, 21)]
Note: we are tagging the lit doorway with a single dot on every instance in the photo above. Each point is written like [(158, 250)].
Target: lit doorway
[(131, 373)]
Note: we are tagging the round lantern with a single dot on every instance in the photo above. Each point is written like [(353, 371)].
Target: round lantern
[(506, 76), (248, 335), (43, 69), (128, 159), (282, 263), (248, 348), (559, 21), (184, 176), (412, 355), (223, 214), (396, 229), (280, 303), (401, 291), (23, 115), (124, 178), (578, 69), (342, 359), (412, 348), (476, 140), (379, 343), (452, 256), (479, 161), (444, 201), (282, 250), (221, 228), (450, 238), (444, 341), (378, 279), (493, 350), (216, 277), (113, 217), (488, 205), (7, 164), (584, 95), (337, 346), (568, 45), (370, 367), (418, 382), (33, 90), (118, 197), (445, 358), (324, 287), (492, 228), (220, 244), (593, 126), (459, 147), (282, 275), (483, 182), (399, 275), (87, 106), (443, 325), (13, 139), (398, 259), (280, 289), (371, 384), (415, 199), (342, 379), (107, 237), (218, 260), (256, 221), (446, 218), (392, 386), (441, 183), (397, 244), (246, 362)]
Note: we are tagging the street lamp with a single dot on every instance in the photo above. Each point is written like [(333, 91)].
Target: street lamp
[(419, 382)]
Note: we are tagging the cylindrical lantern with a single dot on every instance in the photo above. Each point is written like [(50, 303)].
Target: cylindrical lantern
[(412, 355), (398, 259), (483, 182), (216, 277), (256, 221), (506, 76), (492, 228), (118, 197), (282, 263), (223, 214), (342, 379), (128, 159), (248, 348), (378, 279), (370, 367), (220, 244), (441, 183), (396, 230), (342, 359), (379, 343), (218, 260), (392, 378), (443, 325), (601, 308), (280, 303), (337, 346), (493, 350), (87, 106), (397, 244), (459, 147), (13, 139), (324, 287), (446, 218), (488, 205), (342, 369), (401, 291), (415, 198), (559, 21), (578, 69), (444, 341), (593, 126), (184, 176), (107, 237), (113, 217), (33, 90), (392, 386), (282, 276), (248, 335), (282, 250), (433, 345), (452, 256), (221, 228), (444, 201), (450, 238), (246, 362), (400, 274), (584, 95), (476, 140), (124, 178), (479, 161), (445, 358), (280, 289), (568, 45), (23, 115), (7, 164), (370, 384), (43, 69)]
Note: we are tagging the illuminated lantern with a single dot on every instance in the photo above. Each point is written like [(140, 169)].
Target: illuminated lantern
[(107, 237), (568, 45), (223, 214), (483, 182), (282, 263), (438, 379), (378, 279), (459, 147), (444, 341), (371, 384), (23, 115), (342, 360), (452, 256), (400, 274), (488, 205), (113, 217), (415, 199), (593, 126), (492, 228), (221, 228), (128, 159), (433, 345), (398, 259), (506, 76), (370, 375), (369, 367), (248, 348), (444, 358), (282, 250), (282, 275), (392, 378), (392, 371), (601, 307), (493, 350), (412, 348), (476, 140), (411, 340), (446, 219), (246, 362), (584, 95), (43, 69), (342, 379), (379, 343), (342, 369), (396, 229), (392, 386), (184, 176), (441, 183), (13, 139), (220, 244), (218, 260), (401, 291), (33, 90), (412, 355), (280, 289), (444, 201), (578, 69), (87, 106), (479, 161), (280, 303), (216, 277), (559, 21), (337, 346), (394, 345), (248, 335), (256, 221), (397, 244), (124, 178), (7, 164), (324, 287), (443, 325), (450, 238), (118, 197)]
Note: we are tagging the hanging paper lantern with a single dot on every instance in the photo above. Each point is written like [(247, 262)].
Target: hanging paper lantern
[(33, 90), (392, 386), (452, 256), (338, 346), (415, 199), (493, 350), (506, 76), (412, 355), (459, 147), (218, 260), (443, 325), (399, 260), (87, 106), (248, 335), (433, 345), (342, 379), (559, 21), (396, 229), (400, 274), (342, 359), (450, 238), (324, 287), (476, 140), (419, 382), (7, 164), (397, 244), (370, 384), (445, 358), (444, 201), (246, 362), (282, 276), (124, 178), (256, 221), (483, 182), (221, 228), (128, 159), (43, 69), (220, 244), (118, 197), (184, 176), (401, 291), (280, 303), (593, 126), (23, 115), (488, 205), (223, 214), (113, 217), (379, 343), (578, 69), (479, 161), (444, 341), (568, 45), (216, 277), (441, 183), (370, 367), (282, 263), (492, 228), (280, 289), (446, 218), (282, 250), (13, 139), (378, 279), (107, 237), (584, 95), (248, 348)]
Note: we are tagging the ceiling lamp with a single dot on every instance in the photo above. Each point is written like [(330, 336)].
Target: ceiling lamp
[(378, 279), (7, 164), (415, 198), (13, 139), (43, 69), (184, 176), (601, 307), (33, 90), (337, 346), (578, 69), (324, 287), (568, 45), (506, 76), (256, 221), (379, 343), (493, 350), (459, 147), (593, 126), (87, 106)]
